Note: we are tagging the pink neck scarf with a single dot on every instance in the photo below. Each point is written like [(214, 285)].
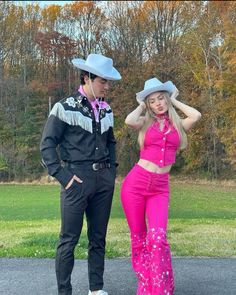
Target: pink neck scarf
[(166, 120)]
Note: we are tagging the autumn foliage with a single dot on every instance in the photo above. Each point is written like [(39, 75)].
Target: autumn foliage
[(191, 43)]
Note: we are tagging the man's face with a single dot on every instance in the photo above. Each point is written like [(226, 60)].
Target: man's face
[(99, 86)]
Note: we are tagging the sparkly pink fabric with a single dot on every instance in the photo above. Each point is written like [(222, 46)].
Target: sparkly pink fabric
[(145, 200), (151, 260)]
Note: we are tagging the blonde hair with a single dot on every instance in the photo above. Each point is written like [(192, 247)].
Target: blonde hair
[(175, 120)]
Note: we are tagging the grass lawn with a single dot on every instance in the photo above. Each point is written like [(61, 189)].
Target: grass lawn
[(201, 222)]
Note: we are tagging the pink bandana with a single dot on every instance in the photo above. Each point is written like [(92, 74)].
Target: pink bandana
[(96, 104), (166, 119)]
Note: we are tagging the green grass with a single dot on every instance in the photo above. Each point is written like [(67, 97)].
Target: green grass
[(201, 222)]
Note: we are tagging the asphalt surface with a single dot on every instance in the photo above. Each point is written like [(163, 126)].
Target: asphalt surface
[(193, 276)]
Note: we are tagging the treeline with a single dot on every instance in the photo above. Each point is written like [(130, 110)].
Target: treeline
[(192, 43)]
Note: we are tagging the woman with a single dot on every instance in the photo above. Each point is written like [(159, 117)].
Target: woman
[(145, 190)]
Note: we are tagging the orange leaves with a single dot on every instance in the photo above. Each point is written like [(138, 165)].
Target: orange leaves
[(51, 17), (189, 42), (51, 12), (77, 8), (37, 86)]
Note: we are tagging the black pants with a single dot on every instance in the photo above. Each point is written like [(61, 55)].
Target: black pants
[(94, 197)]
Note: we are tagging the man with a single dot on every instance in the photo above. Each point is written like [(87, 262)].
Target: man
[(78, 149)]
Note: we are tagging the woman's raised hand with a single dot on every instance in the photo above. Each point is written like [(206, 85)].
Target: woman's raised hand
[(175, 93), (142, 104)]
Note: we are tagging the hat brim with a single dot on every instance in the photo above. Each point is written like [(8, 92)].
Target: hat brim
[(167, 86), (112, 76)]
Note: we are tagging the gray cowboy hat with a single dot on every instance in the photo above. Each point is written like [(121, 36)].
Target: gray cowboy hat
[(154, 85), (99, 65)]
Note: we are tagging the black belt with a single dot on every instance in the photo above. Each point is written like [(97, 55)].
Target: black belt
[(94, 166)]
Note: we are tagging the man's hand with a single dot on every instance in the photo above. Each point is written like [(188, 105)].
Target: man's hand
[(74, 178)]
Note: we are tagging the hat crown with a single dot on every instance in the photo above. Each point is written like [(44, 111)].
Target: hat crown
[(152, 83), (98, 65), (105, 64)]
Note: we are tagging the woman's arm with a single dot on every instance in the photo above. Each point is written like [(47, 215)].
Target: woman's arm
[(193, 115), (134, 119)]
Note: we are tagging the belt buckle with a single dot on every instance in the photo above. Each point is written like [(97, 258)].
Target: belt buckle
[(95, 166)]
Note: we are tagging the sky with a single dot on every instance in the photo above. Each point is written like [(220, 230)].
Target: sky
[(45, 3)]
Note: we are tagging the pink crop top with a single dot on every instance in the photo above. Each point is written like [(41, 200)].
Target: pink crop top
[(160, 147)]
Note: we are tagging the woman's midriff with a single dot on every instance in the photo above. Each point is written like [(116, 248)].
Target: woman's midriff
[(149, 166)]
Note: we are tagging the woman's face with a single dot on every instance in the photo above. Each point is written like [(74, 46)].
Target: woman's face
[(157, 103)]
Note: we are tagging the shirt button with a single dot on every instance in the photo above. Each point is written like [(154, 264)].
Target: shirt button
[(96, 148), (164, 138), (162, 149), (161, 161)]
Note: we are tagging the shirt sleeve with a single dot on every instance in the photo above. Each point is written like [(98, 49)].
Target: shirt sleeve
[(51, 138)]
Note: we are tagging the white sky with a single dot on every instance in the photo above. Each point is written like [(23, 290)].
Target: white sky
[(45, 3)]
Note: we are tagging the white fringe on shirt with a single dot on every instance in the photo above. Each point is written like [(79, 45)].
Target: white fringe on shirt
[(76, 118)]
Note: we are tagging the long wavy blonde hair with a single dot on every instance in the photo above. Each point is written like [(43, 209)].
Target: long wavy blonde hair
[(175, 120)]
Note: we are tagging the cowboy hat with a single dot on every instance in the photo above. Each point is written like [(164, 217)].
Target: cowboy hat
[(154, 85), (98, 65)]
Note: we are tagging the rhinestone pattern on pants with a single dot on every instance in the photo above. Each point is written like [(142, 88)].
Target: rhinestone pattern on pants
[(151, 260), (145, 200)]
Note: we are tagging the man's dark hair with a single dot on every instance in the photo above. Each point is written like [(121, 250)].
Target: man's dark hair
[(84, 73)]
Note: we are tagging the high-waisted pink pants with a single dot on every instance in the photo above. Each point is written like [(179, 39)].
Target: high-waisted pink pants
[(145, 200)]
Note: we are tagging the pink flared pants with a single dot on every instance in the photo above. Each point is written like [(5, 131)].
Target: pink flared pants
[(145, 200)]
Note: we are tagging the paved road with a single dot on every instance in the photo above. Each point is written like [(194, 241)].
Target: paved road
[(193, 276)]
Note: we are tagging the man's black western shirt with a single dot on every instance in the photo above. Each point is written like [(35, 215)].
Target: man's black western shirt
[(72, 135)]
